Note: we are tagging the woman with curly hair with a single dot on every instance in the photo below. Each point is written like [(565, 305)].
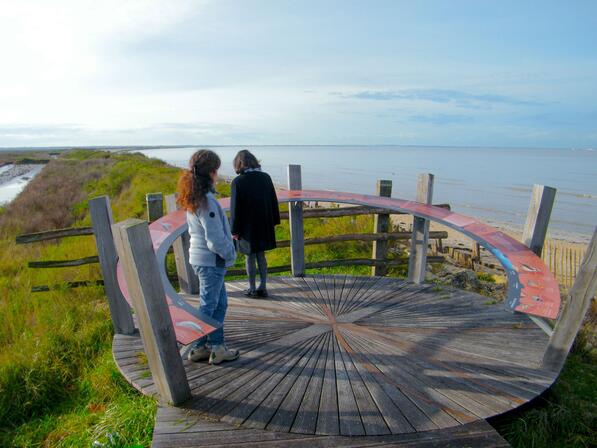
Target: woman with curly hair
[(211, 250)]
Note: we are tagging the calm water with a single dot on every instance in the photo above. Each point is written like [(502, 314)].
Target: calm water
[(9, 190), (490, 183)]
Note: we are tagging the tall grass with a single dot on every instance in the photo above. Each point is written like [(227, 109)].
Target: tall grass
[(58, 383)]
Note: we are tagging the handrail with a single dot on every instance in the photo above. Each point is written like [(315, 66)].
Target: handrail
[(532, 289)]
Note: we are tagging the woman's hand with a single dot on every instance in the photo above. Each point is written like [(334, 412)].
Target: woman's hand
[(234, 236)]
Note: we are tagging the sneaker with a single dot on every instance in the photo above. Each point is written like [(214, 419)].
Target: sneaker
[(261, 293), (221, 353), (250, 293), (198, 354)]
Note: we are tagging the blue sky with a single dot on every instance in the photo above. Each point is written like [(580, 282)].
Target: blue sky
[(151, 72)]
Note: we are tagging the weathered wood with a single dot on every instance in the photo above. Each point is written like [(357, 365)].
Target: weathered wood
[(53, 234), (101, 221), (187, 279), (535, 228), (67, 285), (571, 319), (389, 236), (420, 238), (295, 213), (184, 427), (338, 212), (63, 263), (476, 252), (381, 224), (391, 360), (148, 296), (389, 262), (155, 206)]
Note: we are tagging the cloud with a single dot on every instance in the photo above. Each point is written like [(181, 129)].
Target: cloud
[(441, 96), (441, 119), (158, 134)]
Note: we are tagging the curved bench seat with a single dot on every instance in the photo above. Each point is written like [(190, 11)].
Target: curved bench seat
[(532, 289)]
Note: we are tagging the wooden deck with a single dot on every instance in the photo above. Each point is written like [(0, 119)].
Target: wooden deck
[(327, 357)]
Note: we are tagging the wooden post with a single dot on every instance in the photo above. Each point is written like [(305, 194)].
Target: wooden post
[(535, 228), (295, 216), (579, 300), (476, 253), (155, 206), (101, 219), (187, 279), (381, 224), (149, 300), (417, 262)]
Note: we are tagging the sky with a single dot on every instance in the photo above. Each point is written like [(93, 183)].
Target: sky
[(222, 72)]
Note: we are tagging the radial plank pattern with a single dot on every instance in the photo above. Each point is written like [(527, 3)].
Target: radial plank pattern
[(344, 356)]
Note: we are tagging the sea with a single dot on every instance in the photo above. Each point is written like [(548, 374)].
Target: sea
[(493, 184)]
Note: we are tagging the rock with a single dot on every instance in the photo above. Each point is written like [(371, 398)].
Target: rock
[(466, 280)]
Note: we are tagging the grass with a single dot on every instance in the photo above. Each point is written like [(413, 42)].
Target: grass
[(58, 383), (565, 416)]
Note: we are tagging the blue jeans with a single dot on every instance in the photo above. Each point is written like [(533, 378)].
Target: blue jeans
[(213, 300)]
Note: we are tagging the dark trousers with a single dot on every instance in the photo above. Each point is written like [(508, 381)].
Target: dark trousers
[(250, 260)]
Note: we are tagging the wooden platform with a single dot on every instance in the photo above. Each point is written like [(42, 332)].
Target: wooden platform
[(332, 356)]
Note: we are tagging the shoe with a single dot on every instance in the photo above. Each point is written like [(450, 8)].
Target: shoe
[(198, 354), (262, 293), (250, 293), (221, 353)]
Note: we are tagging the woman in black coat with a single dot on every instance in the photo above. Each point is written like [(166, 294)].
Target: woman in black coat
[(253, 214)]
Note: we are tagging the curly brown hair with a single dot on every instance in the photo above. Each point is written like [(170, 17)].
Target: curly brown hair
[(196, 182)]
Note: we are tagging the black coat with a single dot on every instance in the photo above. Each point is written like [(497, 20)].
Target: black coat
[(254, 210)]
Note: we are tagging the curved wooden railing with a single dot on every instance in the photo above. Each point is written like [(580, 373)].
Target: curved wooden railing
[(532, 289)]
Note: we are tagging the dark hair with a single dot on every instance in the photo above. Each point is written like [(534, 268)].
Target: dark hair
[(195, 182), (243, 160)]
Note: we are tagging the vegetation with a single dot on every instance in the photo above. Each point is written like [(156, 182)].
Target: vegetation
[(58, 383)]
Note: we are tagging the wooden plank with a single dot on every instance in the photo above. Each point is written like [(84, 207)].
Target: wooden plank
[(535, 227), (381, 224), (403, 415), (155, 206), (386, 236), (328, 418), (267, 409), (53, 234), (348, 412), (372, 418), (337, 212), (257, 408), (155, 324), (67, 285), (305, 421), (420, 239), (572, 317), (285, 415), (295, 213), (101, 219), (187, 279), (264, 378), (63, 263)]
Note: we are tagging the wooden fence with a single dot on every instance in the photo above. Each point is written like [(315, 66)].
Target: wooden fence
[(563, 260), (378, 261)]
